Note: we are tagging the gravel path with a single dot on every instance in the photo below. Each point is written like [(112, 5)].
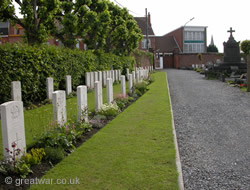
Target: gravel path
[(212, 123)]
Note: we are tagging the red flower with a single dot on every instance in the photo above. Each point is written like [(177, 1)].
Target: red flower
[(13, 145), (7, 150)]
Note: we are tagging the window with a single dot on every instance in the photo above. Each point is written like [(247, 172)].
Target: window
[(144, 43), (4, 28)]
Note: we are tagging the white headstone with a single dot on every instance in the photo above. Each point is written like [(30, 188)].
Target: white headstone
[(130, 82), (87, 79), (116, 75), (12, 121), (137, 77), (133, 76), (82, 103), (59, 107), (96, 76), (113, 75), (68, 84), (98, 94), (109, 90), (127, 70), (104, 78), (92, 80), (119, 75), (100, 77), (16, 91), (123, 85), (50, 87)]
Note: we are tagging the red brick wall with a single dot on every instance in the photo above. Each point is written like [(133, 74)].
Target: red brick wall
[(141, 61), (178, 34), (186, 60)]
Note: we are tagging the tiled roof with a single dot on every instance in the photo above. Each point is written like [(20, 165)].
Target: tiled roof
[(165, 44), (141, 21)]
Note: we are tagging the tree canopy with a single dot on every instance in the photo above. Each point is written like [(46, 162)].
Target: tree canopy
[(100, 24), (212, 48), (245, 47)]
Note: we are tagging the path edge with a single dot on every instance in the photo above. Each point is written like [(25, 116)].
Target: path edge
[(177, 155)]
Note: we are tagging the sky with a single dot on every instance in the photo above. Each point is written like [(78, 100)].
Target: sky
[(217, 15)]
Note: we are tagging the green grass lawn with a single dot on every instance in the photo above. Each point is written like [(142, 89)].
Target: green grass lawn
[(38, 120), (134, 151)]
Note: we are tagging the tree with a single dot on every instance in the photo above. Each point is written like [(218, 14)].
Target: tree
[(124, 33), (245, 46), (212, 48), (38, 17)]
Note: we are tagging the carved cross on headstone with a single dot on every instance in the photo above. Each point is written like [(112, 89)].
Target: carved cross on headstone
[(231, 31), (17, 139)]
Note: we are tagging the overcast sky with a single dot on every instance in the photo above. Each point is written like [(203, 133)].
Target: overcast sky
[(217, 15)]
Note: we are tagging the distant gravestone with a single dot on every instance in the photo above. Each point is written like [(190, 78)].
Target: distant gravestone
[(100, 77), (98, 96), (12, 123), (123, 85), (92, 80), (137, 77), (104, 77), (130, 83), (16, 91), (109, 90), (119, 75), (82, 103), (133, 76), (87, 79), (113, 75), (96, 76), (59, 107), (68, 84), (50, 87), (116, 75)]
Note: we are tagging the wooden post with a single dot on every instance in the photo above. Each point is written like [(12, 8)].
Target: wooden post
[(248, 73)]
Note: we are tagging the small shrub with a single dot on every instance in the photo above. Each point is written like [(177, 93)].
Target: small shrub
[(35, 157), (141, 88), (54, 155), (109, 110)]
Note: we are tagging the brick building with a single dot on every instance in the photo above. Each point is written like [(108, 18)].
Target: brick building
[(179, 48)]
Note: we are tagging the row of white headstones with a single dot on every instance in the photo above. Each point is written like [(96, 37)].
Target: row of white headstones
[(12, 117)]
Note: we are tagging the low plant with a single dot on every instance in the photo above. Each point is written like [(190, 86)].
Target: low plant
[(141, 88), (35, 156), (122, 101), (54, 154), (13, 164), (109, 110)]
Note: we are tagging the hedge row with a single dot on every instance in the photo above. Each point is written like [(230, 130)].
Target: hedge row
[(33, 64)]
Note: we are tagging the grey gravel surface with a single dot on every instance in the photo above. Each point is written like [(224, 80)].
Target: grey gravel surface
[(212, 123)]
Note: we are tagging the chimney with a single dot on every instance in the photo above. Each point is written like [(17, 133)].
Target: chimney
[(149, 19)]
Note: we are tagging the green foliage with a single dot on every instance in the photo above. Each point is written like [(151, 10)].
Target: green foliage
[(141, 88), (54, 155), (38, 17), (124, 33), (14, 165), (140, 55), (199, 56), (245, 46), (212, 48), (33, 64), (122, 101), (109, 110), (35, 156)]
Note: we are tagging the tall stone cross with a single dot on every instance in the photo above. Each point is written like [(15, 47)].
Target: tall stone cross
[(231, 31)]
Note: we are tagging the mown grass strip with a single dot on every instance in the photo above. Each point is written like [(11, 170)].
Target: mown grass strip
[(134, 151), (38, 120)]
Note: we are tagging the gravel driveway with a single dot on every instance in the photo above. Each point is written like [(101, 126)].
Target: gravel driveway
[(212, 123)]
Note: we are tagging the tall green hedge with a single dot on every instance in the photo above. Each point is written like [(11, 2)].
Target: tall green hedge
[(33, 64)]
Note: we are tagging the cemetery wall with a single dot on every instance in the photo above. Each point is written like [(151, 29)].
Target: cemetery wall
[(33, 64), (143, 59), (186, 60)]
